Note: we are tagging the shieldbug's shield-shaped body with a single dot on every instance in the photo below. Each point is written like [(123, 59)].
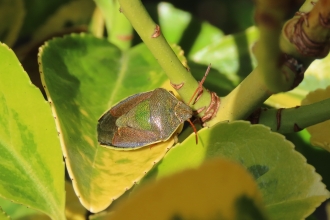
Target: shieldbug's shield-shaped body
[(142, 119)]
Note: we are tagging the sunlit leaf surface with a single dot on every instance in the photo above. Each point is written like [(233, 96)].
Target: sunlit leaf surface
[(31, 165), (85, 76), (11, 15), (320, 132), (218, 189), (267, 155)]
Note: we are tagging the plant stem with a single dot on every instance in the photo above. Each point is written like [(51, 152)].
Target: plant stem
[(303, 116), (176, 72), (270, 75), (118, 27), (96, 25), (270, 17), (242, 101)]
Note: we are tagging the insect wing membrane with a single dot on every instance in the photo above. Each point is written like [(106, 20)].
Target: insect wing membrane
[(106, 127), (127, 104), (132, 138)]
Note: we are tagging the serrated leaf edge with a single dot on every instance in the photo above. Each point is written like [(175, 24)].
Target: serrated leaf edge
[(308, 166), (3, 212), (57, 123)]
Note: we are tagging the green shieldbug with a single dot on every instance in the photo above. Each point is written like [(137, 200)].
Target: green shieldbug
[(142, 119), (146, 118)]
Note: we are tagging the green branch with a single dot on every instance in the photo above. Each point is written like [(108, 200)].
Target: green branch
[(120, 31), (157, 44), (96, 25), (244, 99), (295, 119), (270, 76)]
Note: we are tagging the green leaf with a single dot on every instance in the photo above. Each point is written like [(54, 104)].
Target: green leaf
[(218, 189), (11, 15), (286, 181), (37, 12), (3, 215), (101, 216), (31, 166), (191, 34), (319, 132), (83, 77), (119, 29), (72, 14), (315, 156), (316, 77), (73, 208), (17, 211), (230, 55)]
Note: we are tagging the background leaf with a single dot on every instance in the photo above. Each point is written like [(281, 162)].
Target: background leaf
[(21, 212), (37, 12), (3, 215), (231, 55), (218, 189), (67, 16), (119, 29), (194, 37), (188, 32), (84, 76), (32, 170), (319, 132), (101, 216), (11, 15), (73, 208), (267, 155), (316, 77), (327, 208)]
